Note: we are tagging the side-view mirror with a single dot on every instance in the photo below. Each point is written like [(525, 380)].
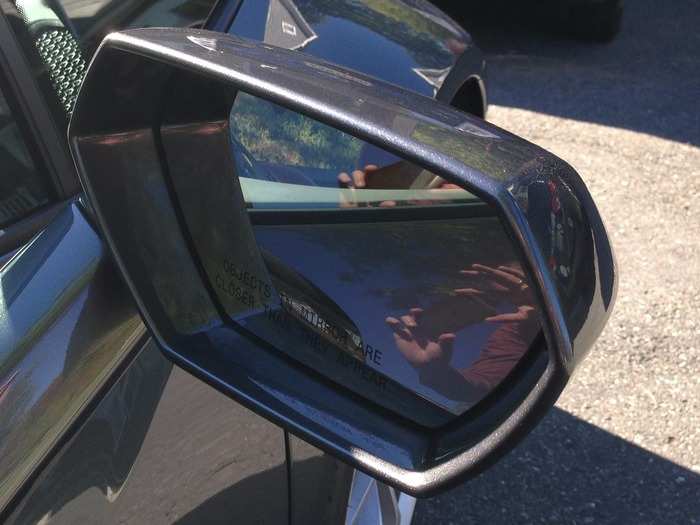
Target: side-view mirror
[(403, 285)]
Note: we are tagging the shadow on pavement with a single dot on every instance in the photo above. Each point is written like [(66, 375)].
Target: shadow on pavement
[(260, 498), (571, 472), (319, 495), (646, 80), (566, 472)]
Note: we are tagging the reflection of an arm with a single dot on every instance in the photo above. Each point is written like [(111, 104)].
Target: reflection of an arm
[(499, 296)]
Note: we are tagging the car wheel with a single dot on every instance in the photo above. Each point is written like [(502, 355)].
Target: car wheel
[(371, 502)]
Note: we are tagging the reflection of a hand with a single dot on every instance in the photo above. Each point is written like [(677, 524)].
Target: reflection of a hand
[(494, 285), (425, 337), (398, 176), (418, 343), (358, 180)]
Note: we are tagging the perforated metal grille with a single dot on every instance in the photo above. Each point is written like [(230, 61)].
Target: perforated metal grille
[(61, 54)]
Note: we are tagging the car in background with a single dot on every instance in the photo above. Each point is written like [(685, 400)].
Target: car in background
[(589, 20)]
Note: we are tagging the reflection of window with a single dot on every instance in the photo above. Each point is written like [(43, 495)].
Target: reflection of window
[(286, 27), (22, 188), (287, 160), (93, 19), (59, 37)]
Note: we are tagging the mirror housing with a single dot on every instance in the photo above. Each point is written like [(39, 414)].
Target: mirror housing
[(151, 141)]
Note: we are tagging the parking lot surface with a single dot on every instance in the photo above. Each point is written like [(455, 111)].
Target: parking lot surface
[(623, 444)]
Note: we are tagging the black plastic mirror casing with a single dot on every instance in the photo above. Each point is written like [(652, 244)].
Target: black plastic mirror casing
[(142, 82)]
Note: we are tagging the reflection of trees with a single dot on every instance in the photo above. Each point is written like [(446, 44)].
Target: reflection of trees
[(38, 414), (23, 346), (280, 136), (424, 39)]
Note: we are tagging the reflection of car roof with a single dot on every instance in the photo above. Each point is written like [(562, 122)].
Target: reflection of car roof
[(286, 26), (351, 33)]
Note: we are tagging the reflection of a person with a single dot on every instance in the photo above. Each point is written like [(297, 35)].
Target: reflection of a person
[(427, 340), (379, 169), (495, 295), (398, 175)]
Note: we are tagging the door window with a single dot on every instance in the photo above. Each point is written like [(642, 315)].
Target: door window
[(24, 186), (58, 38)]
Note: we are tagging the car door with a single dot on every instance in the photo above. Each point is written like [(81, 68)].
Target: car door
[(87, 399), (137, 418)]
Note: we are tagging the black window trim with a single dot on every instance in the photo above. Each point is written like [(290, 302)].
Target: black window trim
[(46, 141), (20, 232), (49, 141), (49, 138), (47, 146)]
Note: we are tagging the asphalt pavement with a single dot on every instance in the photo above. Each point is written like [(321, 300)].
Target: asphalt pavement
[(623, 443)]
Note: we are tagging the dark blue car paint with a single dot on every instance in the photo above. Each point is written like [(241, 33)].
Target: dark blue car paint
[(406, 42), (67, 324)]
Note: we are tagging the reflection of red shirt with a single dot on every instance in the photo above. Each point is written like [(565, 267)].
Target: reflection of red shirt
[(500, 354), (502, 351)]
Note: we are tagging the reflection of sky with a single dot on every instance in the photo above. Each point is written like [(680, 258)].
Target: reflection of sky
[(32, 287), (334, 36), (326, 267), (48, 355)]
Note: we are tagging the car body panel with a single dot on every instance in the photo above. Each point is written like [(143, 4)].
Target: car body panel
[(66, 321), (189, 453), (318, 482), (420, 46)]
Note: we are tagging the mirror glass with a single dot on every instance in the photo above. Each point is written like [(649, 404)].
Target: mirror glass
[(378, 274)]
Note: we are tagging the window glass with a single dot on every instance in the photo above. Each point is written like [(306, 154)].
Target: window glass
[(23, 188), (60, 37), (91, 20)]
